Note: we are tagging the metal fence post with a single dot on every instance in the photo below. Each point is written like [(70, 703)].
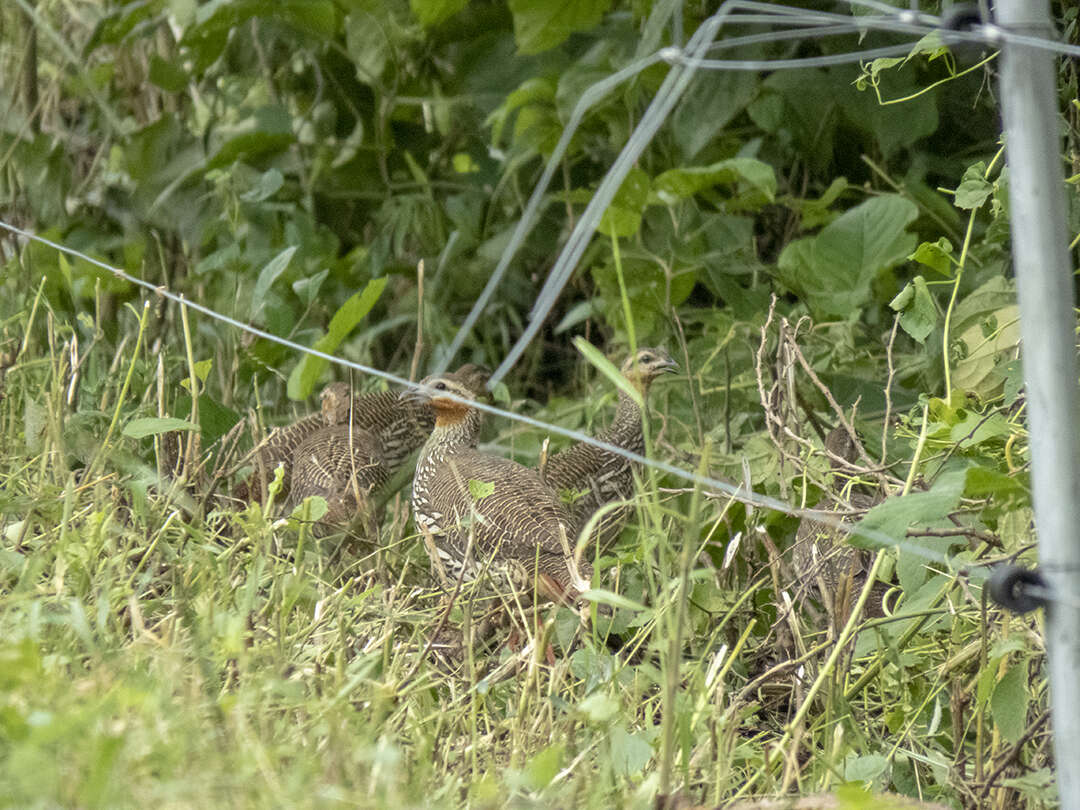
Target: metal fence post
[(1047, 327)]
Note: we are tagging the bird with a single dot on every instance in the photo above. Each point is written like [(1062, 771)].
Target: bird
[(364, 440), (279, 447), (821, 555), (591, 477), (478, 511)]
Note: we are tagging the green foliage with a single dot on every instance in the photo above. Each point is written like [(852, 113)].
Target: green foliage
[(801, 238)]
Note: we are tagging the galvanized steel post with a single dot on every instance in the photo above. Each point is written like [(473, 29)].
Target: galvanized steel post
[(1048, 332)]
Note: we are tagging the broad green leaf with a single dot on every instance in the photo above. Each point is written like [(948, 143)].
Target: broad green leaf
[(834, 269), (894, 516), (267, 276), (215, 419), (478, 490), (623, 215), (918, 313), (679, 183), (433, 12), (310, 509), (630, 753), (599, 707), (307, 288), (974, 188), (169, 76), (982, 346), (1009, 702), (153, 425), (983, 482), (608, 369), (545, 766), (713, 99), (543, 24), (865, 768), (269, 183), (307, 371), (266, 131), (935, 255)]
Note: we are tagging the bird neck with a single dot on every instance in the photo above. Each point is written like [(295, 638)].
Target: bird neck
[(628, 419), (456, 426)]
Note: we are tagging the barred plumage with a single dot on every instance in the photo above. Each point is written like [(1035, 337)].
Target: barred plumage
[(478, 510), (822, 556), (281, 444), (590, 477), (363, 442)]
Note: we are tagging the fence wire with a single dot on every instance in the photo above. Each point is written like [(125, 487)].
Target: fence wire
[(742, 494), (699, 53), (686, 61)]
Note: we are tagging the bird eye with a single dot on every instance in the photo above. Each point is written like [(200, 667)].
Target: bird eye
[(439, 386), (647, 358)]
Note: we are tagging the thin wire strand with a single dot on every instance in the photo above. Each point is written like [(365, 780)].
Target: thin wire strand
[(742, 494), (674, 85)]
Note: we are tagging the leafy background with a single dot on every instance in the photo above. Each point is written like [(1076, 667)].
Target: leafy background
[(289, 164)]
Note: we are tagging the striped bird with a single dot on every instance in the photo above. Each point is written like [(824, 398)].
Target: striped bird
[(477, 511), (590, 477)]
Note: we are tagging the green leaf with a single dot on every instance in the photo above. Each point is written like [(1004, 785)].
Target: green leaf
[(545, 766), (974, 188), (983, 482), (153, 425), (685, 182), (935, 255), (169, 76), (1009, 702), (433, 12), (981, 346), (711, 101), (479, 490), (543, 24), (312, 508), (201, 369), (307, 288), (630, 753), (918, 312), (602, 597), (267, 276), (834, 269), (269, 183), (894, 516), (599, 707), (866, 768), (608, 369), (623, 215), (307, 371)]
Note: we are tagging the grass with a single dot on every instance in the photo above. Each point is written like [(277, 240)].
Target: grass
[(159, 649)]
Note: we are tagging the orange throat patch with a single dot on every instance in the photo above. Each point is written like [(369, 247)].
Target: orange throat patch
[(448, 412)]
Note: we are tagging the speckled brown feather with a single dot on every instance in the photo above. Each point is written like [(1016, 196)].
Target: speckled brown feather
[(521, 526), (823, 558), (362, 444), (590, 477)]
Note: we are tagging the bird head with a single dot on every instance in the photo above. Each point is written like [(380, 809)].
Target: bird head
[(436, 390), (645, 365), (335, 400)]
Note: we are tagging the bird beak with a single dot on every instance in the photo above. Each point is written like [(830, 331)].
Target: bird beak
[(668, 365), (414, 395)]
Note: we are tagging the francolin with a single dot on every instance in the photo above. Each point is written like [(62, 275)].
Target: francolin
[(363, 442), (481, 512), (822, 556), (591, 477)]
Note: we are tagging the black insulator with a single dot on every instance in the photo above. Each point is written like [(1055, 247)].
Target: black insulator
[(962, 17), (1011, 587)]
